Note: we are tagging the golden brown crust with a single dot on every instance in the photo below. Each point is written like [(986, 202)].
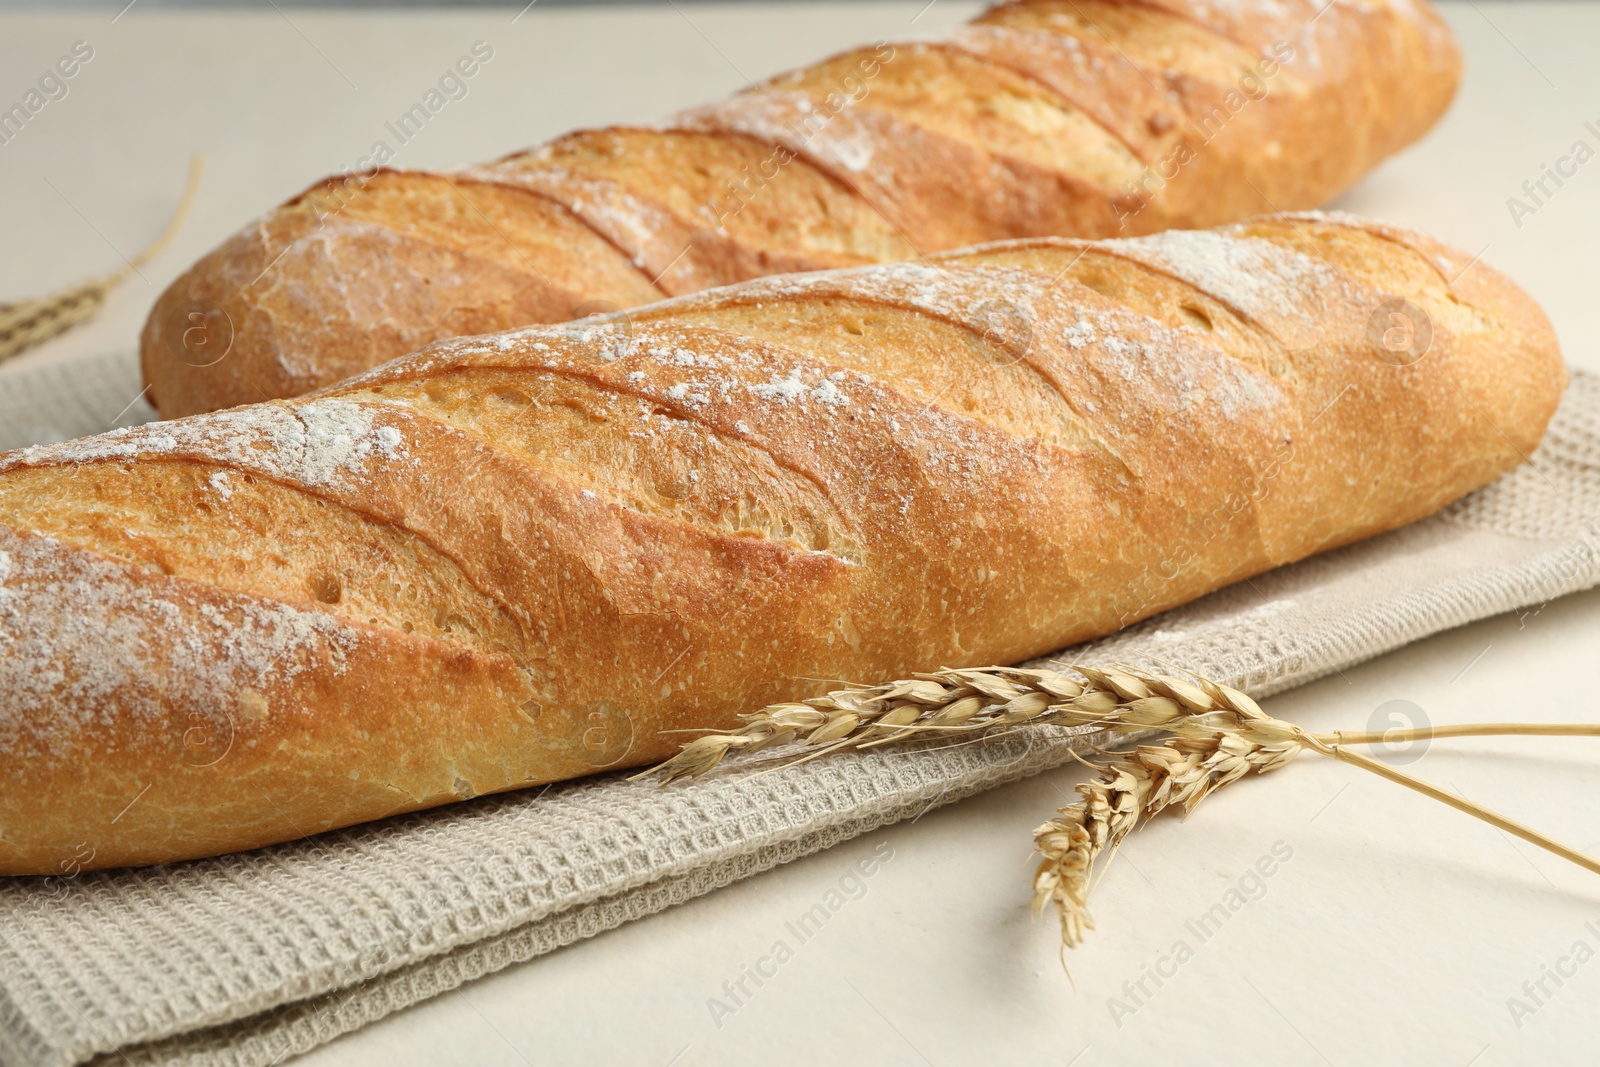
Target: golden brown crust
[(1087, 118), (522, 557)]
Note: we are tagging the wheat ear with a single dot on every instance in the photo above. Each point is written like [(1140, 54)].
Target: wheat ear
[(963, 701), (1217, 740), (1206, 754), (1218, 735), (33, 322)]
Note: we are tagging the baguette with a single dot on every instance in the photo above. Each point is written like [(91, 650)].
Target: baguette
[(519, 558), (1083, 118)]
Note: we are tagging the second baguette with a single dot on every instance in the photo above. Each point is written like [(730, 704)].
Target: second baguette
[(1074, 118)]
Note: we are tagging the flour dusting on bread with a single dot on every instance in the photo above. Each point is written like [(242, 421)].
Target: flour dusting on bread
[(82, 636), (315, 443)]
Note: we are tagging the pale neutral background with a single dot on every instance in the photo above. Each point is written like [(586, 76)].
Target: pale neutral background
[(1396, 933)]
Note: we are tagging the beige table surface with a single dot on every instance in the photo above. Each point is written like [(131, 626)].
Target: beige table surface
[(1397, 932)]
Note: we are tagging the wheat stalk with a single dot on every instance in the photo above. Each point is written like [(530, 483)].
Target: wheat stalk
[(33, 322), (1217, 736)]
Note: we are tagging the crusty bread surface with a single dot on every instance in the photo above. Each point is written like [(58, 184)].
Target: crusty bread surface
[(1080, 118), (523, 557)]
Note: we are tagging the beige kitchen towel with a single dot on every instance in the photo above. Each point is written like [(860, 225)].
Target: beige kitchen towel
[(251, 959)]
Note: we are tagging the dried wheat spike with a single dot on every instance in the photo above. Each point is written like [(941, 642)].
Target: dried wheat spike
[(968, 700), (1218, 735), (1184, 771), (34, 322)]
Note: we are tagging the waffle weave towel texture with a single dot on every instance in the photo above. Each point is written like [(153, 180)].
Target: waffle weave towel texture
[(251, 959)]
